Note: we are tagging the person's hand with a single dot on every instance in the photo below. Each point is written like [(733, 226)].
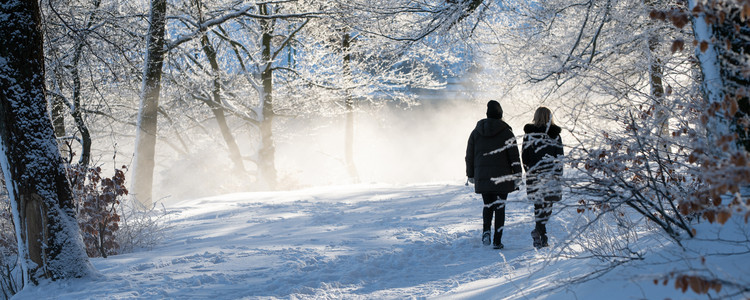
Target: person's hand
[(471, 180)]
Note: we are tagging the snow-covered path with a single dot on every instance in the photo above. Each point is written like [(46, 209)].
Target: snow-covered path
[(373, 241), (366, 241)]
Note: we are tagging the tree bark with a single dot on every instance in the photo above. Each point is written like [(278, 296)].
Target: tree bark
[(656, 75), (657, 93), (266, 154), (49, 243), (349, 131), (83, 162), (76, 113), (735, 32), (218, 110), (713, 85), (145, 149), (58, 115)]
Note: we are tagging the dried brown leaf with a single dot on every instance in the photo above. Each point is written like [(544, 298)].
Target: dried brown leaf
[(696, 284), (724, 216), (698, 9), (657, 15), (710, 216), (684, 283), (679, 19), (677, 45)]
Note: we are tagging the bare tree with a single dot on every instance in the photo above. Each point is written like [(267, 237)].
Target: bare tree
[(346, 41), (267, 151), (143, 169), (49, 244), (215, 103), (341, 70), (91, 73)]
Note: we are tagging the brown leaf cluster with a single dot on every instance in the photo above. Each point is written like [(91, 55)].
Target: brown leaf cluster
[(97, 199), (584, 206), (697, 284), (677, 16)]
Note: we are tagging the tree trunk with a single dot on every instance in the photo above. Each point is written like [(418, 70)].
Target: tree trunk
[(734, 66), (58, 115), (349, 131), (145, 148), (218, 110), (83, 162), (49, 243), (266, 154), (656, 75), (85, 158), (713, 86)]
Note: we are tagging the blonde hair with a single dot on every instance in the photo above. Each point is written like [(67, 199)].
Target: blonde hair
[(543, 117)]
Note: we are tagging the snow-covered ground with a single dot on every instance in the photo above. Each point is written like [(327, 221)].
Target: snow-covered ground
[(377, 242)]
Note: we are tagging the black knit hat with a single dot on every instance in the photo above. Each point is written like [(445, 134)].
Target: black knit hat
[(494, 111)]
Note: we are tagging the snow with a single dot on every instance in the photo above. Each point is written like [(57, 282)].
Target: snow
[(12, 188), (377, 241)]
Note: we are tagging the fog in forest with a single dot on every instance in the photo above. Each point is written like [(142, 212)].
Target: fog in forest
[(392, 145)]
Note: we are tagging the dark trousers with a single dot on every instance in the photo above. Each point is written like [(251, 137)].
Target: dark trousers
[(543, 193), (542, 211), (494, 203)]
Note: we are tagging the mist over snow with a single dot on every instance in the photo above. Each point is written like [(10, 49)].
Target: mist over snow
[(424, 143), (392, 144)]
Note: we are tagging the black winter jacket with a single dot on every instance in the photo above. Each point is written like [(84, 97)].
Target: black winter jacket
[(492, 157), (541, 147)]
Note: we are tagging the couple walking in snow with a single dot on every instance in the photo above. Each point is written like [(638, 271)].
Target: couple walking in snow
[(494, 167)]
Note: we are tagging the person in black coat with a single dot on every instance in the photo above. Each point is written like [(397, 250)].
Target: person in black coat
[(542, 157), (493, 166)]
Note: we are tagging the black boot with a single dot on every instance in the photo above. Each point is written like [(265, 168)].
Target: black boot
[(537, 239), (486, 238), (539, 235), (496, 240)]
